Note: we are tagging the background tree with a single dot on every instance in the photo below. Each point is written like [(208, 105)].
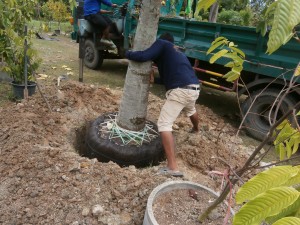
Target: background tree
[(56, 10)]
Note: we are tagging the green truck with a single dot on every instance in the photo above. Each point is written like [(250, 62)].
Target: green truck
[(264, 76)]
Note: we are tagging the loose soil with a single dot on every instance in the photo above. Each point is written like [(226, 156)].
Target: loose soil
[(183, 206), (44, 180)]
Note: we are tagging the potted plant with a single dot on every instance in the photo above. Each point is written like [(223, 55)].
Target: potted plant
[(20, 64), (20, 59)]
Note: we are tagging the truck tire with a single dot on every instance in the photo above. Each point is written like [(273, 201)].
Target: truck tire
[(92, 57), (106, 150), (256, 122)]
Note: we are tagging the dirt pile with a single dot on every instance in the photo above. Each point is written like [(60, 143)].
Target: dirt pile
[(45, 181)]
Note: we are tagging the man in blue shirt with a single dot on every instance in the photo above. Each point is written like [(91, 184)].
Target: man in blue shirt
[(92, 13), (182, 86)]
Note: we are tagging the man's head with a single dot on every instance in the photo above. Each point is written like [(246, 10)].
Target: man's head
[(167, 36)]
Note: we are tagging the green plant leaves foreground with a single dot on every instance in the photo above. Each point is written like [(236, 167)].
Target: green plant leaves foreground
[(270, 195), (288, 221), (265, 180), (228, 50), (286, 17), (269, 203)]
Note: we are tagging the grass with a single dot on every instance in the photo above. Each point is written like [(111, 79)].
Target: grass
[(50, 26)]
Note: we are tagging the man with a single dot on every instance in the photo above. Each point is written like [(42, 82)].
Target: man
[(92, 12), (182, 87)]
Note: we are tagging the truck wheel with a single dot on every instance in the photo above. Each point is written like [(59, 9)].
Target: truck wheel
[(106, 150), (92, 57), (256, 122)]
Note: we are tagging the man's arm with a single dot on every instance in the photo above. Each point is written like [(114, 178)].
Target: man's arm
[(150, 53), (106, 2)]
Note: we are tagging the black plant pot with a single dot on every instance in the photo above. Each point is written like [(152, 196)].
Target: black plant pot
[(18, 89)]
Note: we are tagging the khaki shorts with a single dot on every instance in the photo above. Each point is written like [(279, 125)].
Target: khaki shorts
[(177, 100)]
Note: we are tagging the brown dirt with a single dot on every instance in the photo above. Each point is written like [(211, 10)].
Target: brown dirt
[(45, 181), (186, 203)]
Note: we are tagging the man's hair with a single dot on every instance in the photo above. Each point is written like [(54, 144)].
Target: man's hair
[(167, 36)]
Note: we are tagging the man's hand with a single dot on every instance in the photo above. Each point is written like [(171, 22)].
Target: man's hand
[(152, 76), (114, 5)]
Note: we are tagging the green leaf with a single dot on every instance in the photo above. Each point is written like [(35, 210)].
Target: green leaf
[(263, 181), (203, 4), (266, 204), (288, 221), (294, 180), (214, 46), (286, 17), (237, 69), (218, 55), (230, 64), (240, 52), (290, 210), (282, 151), (297, 73), (295, 139), (237, 60), (231, 76), (288, 149), (282, 125), (234, 77), (271, 8), (223, 39)]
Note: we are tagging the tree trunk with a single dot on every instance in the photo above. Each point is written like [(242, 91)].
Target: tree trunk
[(213, 13), (133, 107)]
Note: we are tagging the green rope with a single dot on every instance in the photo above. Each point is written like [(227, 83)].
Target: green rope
[(113, 131)]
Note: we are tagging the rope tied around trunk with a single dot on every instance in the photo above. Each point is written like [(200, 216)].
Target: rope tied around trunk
[(112, 131)]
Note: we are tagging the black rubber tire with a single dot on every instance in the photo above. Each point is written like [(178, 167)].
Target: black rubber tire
[(106, 150), (93, 58), (257, 125)]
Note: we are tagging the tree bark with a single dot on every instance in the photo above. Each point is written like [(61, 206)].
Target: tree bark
[(213, 13), (133, 107)]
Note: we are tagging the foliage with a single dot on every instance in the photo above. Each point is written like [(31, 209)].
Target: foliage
[(228, 50), (287, 140), (203, 4), (15, 15), (268, 194), (283, 16), (15, 60), (247, 16), (230, 17), (235, 5), (259, 8), (58, 9)]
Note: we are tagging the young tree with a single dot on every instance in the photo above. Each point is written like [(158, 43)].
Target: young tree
[(133, 108), (56, 10)]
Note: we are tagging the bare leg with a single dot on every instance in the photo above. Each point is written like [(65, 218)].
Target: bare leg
[(195, 121), (169, 147)]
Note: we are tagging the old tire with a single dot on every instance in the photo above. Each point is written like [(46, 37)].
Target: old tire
[(106, 150), (256, 122), (93, 58)]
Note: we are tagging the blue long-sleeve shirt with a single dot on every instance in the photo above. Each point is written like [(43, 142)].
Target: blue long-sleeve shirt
[(94, 6), (173, 66)]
